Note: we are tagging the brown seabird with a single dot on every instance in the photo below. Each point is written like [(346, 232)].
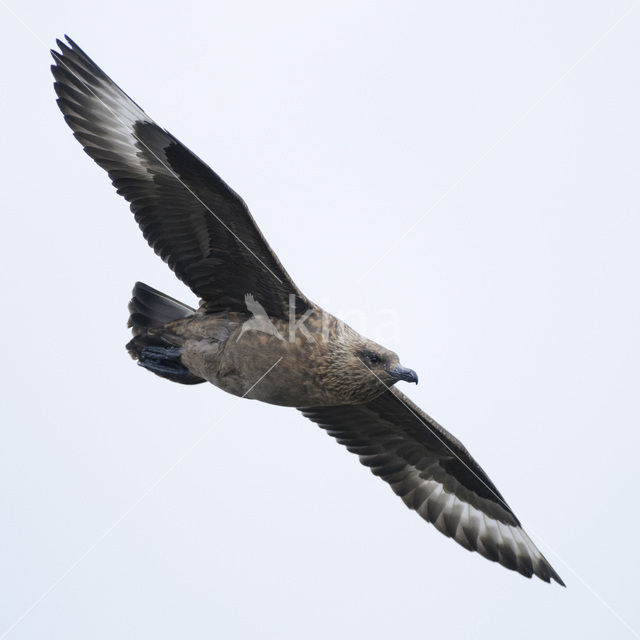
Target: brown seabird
[(256, 335)]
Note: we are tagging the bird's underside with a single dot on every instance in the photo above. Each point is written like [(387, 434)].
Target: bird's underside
[(341, 381)]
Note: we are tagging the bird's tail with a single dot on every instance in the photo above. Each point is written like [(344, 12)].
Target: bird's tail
[(150, 309)]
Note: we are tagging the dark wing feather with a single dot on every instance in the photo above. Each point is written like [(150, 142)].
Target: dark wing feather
[(434, 475), (191, 218)]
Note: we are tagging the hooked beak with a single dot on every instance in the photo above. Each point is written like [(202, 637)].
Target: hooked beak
[(402, 373)]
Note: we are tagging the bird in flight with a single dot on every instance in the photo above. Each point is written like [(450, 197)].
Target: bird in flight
[(256, 335)]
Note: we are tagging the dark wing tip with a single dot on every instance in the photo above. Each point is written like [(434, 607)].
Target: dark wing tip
[(556, 577), (72, 46), (59, 56), (65, 45), (543, 570)]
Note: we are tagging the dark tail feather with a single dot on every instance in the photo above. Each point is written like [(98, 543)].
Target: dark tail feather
[(149, 309)]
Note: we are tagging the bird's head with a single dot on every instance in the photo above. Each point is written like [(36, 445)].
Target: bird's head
[(366, 368), (383, 364)]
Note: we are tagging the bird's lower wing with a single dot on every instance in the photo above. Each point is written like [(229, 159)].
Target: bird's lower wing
[(190, 217), (434, 475)]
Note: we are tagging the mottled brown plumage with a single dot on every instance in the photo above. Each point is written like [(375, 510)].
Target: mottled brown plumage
[(256, 335), (328, 364)]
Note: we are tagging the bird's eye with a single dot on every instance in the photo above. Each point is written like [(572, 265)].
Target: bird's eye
[(374, 358)]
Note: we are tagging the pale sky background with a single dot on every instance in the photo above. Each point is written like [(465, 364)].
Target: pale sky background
[(343, 125)]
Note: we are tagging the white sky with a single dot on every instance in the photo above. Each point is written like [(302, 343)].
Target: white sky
[(343, 125)]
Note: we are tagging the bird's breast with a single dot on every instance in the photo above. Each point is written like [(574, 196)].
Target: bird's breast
[(262, 366)]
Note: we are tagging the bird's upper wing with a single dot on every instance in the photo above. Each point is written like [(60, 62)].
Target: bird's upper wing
[(434, 475), (190, 217)]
